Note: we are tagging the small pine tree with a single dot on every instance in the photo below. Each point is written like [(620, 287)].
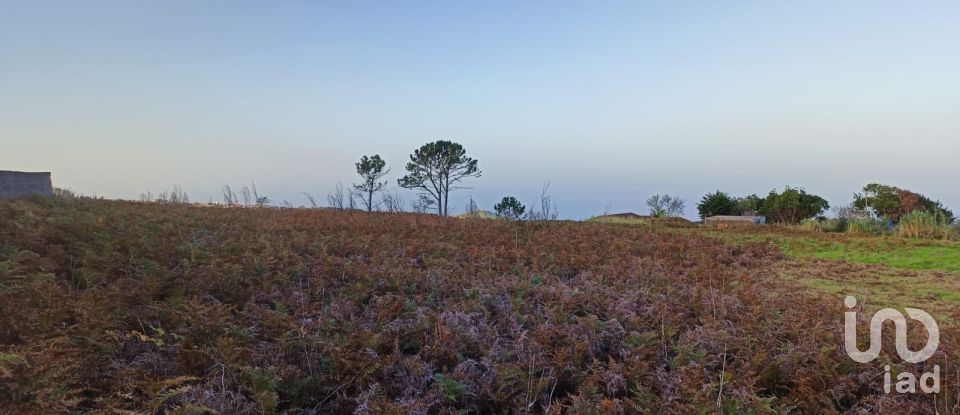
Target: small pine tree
[(718, 203), (510, 208)]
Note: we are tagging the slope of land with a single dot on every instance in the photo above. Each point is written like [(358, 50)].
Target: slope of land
[(146, 308)]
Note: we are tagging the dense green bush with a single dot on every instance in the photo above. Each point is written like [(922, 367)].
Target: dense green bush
[(866, 226), (717, 203), (792, 206)]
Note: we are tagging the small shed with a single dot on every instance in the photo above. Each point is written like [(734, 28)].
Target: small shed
[(743, 220), (14, 184)]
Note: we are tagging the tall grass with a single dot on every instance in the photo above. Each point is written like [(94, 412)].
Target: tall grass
[(927, 225), (866, 226), (838, 225), (811, 225)]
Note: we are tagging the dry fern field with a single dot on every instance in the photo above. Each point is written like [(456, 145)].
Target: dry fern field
[(111, 307)]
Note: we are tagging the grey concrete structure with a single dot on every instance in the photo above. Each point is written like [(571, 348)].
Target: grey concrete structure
[(15, 184)]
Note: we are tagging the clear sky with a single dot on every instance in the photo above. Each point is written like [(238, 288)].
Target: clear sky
[(610, 101)]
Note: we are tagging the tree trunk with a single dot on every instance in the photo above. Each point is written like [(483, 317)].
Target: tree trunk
[(446, 203), (446, 194)]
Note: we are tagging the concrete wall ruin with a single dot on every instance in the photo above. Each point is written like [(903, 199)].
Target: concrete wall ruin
[(15, 184)]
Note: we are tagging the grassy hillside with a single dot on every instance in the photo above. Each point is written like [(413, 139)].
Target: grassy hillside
[(115, 306)]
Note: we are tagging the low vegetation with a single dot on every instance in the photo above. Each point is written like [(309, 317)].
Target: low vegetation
[(929, 225), (128, 307)]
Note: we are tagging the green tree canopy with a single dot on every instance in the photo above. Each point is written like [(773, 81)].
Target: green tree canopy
[(371, 170), (893, 202), (717, 203), (436, 168), (750, 205), (510, 208), (792, 205)]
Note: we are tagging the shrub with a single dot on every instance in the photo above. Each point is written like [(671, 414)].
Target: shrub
[(866, 226), (451, 390), (838, 225), (927, 225), (64, 193)]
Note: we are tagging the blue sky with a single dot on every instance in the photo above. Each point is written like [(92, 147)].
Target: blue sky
[(609, 101)]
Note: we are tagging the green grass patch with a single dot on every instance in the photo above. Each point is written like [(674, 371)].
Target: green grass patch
[(900, 253), (894, 253), (895, 291)]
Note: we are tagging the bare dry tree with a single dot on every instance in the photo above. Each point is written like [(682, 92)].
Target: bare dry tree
[(666, 205), (313, 202), (259, 201), (246, 195), (423, 204), (176, 195), (229, 197), (472, 208), (548, 209), (392, 202), (342, 198)]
